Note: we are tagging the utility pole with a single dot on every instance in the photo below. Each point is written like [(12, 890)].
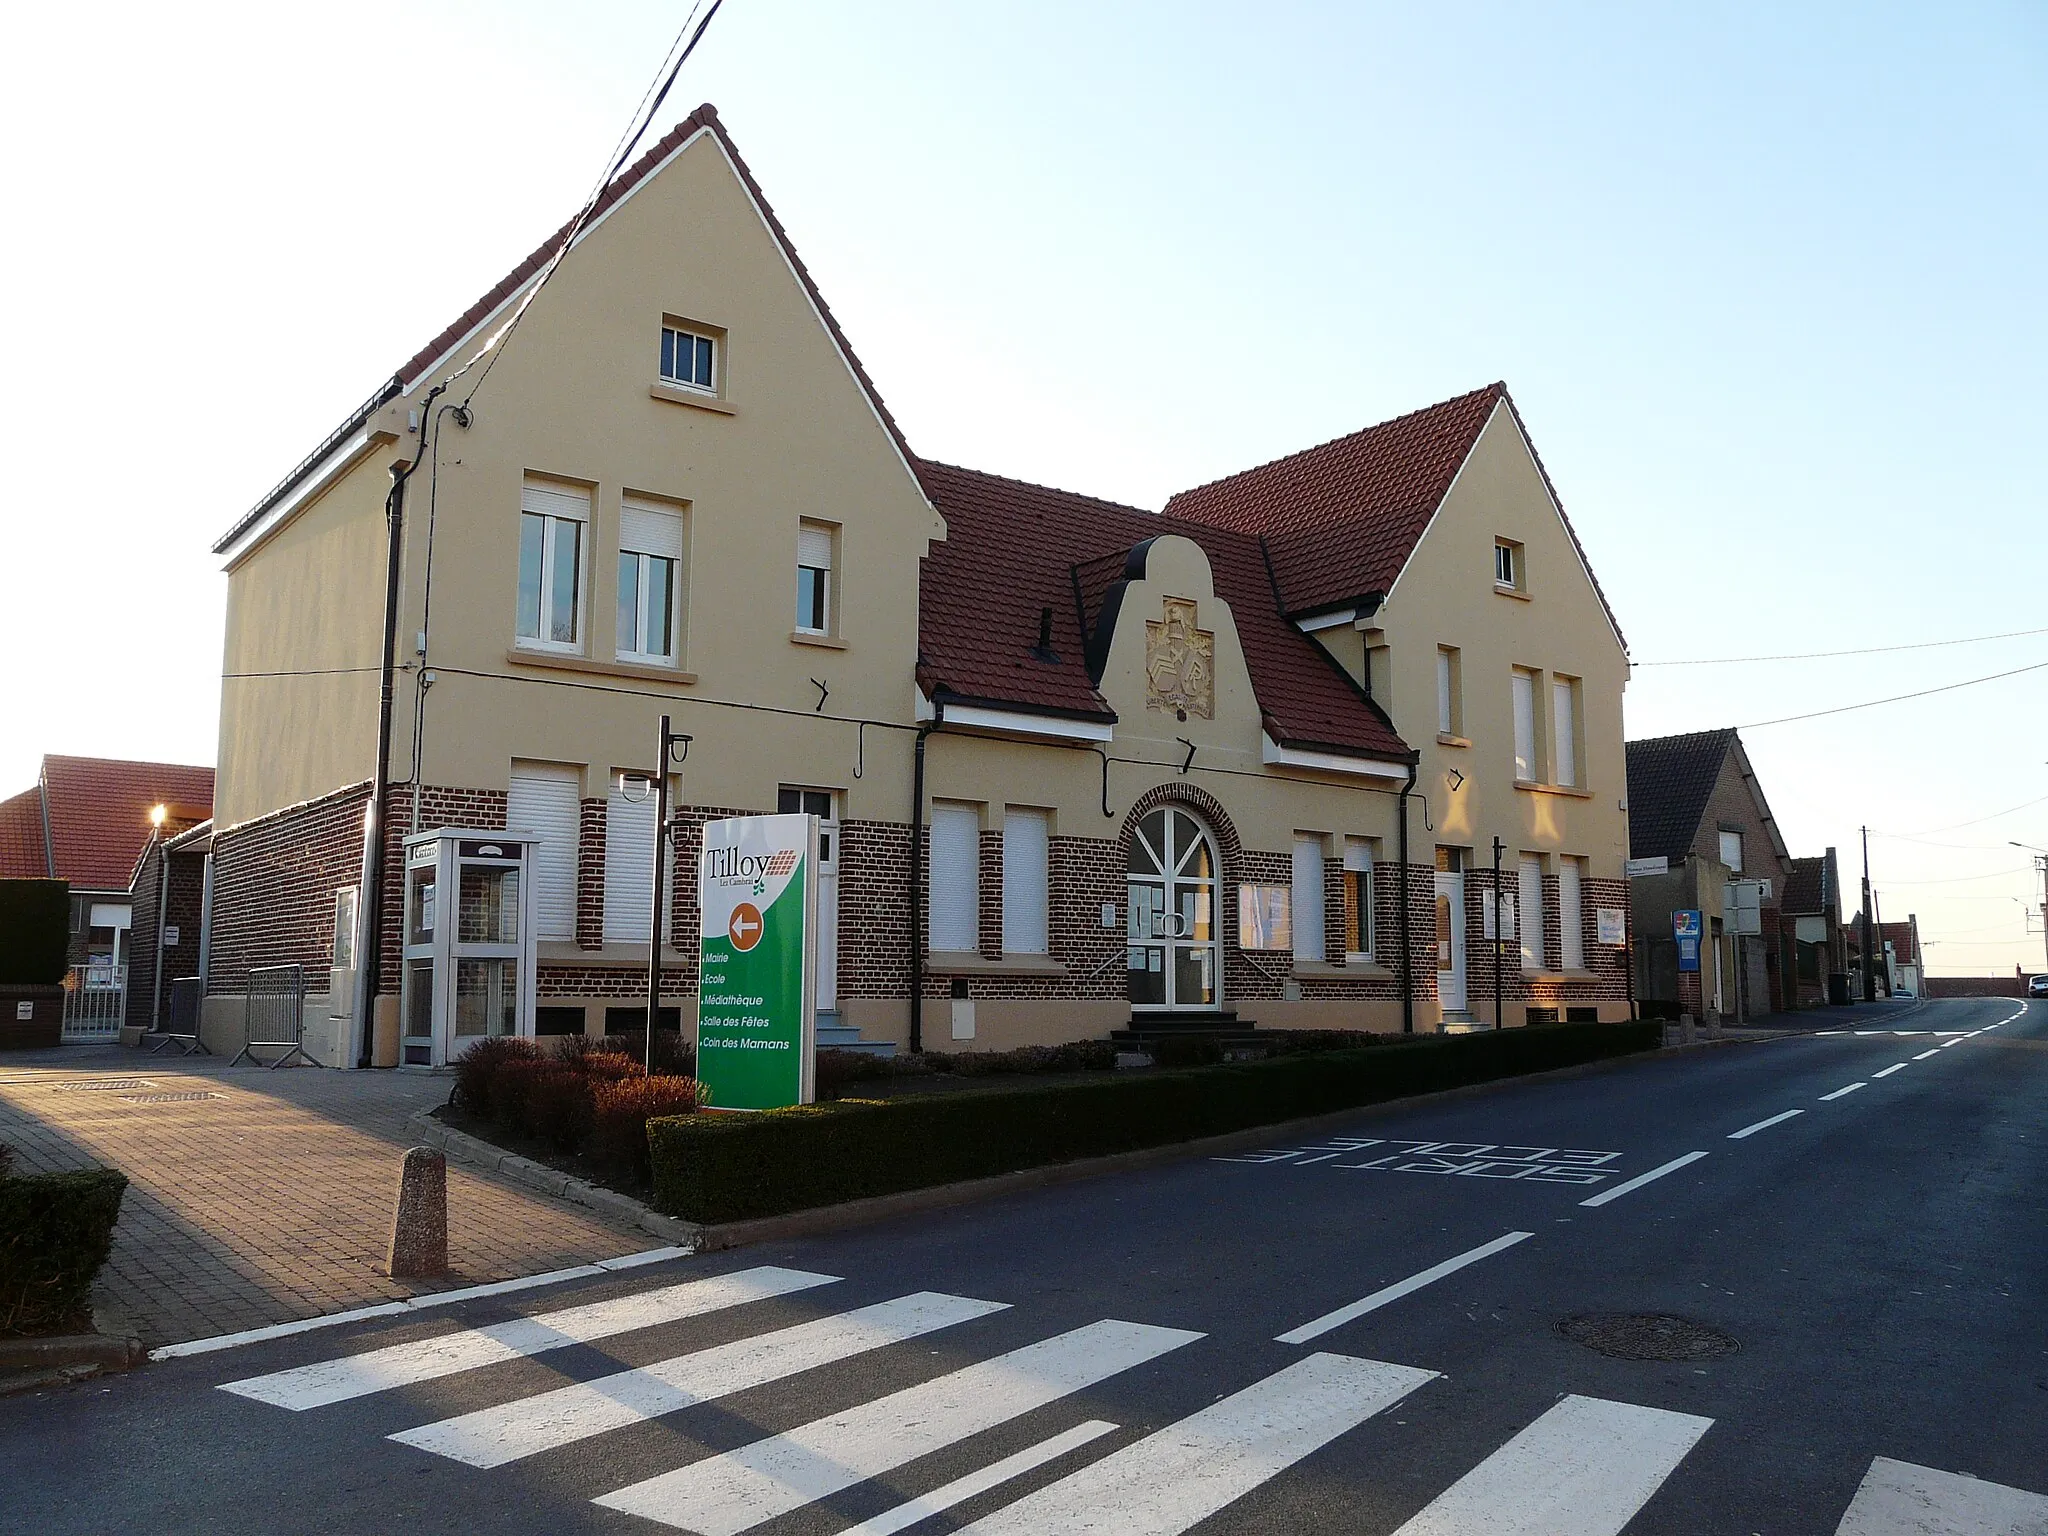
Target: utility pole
[(1498, 926), (1869, 966), (2040, 862)]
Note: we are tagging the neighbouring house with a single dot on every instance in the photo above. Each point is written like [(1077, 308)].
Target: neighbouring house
[(168, 932), (1243, 762), (1810, 915), (1900, 969), (1699, 824), (88, 821)]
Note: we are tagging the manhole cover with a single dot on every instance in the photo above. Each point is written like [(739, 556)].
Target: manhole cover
[(1647, 1336), (106, 1085), (166, 1098)]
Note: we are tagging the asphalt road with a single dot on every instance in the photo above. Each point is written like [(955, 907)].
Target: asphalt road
[(1183, 1348)]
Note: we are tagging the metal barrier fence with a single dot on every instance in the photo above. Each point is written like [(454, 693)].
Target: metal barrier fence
[(276, 997), (181, 1017), (95, 1000)]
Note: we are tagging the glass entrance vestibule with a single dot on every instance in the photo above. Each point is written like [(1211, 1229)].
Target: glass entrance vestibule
[(1171, 928), (469, 942)]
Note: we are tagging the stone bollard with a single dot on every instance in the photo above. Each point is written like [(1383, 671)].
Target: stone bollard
[(1685, 1036), (419, 1228)]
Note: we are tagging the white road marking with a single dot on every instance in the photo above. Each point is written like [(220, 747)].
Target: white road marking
[(377, 1370), (726, 1494), (415, 1304), (1947, 1043), (1583, 1469), (961, 1489), (1764, 1125), (1172, 1480), (1641, 1179), (1925, 1054), (1398, 1289), (1897, 1498), (1897, 1066), (491, 1437), (1842, 1093)]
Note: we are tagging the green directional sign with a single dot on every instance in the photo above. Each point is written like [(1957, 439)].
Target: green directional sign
[(757, 893)]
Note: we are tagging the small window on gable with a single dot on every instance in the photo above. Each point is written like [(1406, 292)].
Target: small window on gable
[(688, 357), (1731, 851), (1507, 564), (814, 562)]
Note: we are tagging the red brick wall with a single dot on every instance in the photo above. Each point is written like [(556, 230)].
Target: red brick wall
[(184, 894), (274, 881), (590, 845)]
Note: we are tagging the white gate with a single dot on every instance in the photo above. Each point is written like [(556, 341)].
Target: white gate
[(95, 1001)]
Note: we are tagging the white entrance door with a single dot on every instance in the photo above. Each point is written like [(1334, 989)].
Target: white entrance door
[(1170, 911), (819, 803), (1450, 940)]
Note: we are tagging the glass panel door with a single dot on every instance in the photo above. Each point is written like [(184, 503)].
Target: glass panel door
[(1171, 931)]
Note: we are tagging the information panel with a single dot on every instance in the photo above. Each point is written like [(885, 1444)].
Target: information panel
[(757, 893)]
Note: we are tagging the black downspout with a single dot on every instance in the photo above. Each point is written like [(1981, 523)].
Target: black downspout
[(1407, 934), (380, 782), (917, 877)]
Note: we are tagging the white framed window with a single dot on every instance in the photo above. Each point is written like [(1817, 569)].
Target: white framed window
[(1507, 564), (791, 800), (1731, 851), (1358, 916), (1529, 891), (1025, 881), (552, 530), (1450, 708), (815, 549), (689, 358), (545, 800), (629, 859), (345, 928), (955, 907), (1564, 729), (650, 582), (1528, 767), (1571, 914), (1308, 898)]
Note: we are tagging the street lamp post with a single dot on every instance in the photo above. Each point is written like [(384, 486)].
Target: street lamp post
[(2040, 863)]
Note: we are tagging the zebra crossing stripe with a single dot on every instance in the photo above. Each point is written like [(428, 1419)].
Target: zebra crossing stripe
[(379, 1370), (1583, 1469), (961, 1489), (1170, 1481), (726, 1494), (1897, 1498), (490, 1437)]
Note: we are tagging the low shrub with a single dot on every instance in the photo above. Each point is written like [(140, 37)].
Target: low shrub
[(557, 1108), (510, 1087), (1298, 1042), (1185, 1050), (731, 1167), (839, 1070), (475, 1068), (577, 1052), (6, 1159), (55, 1233), (674, 1056), (620, 1112)]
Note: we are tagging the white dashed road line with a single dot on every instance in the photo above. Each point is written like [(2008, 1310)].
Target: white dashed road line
[(1643, 1178), (1925, 1054), (1897, 1066), (1398, 1289), (1763, 1125), (1842, 1093)]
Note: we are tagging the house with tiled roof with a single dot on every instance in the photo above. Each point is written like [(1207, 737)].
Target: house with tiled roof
[(1079, 767)]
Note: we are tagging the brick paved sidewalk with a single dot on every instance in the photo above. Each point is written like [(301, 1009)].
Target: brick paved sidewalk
[(260, 1197)]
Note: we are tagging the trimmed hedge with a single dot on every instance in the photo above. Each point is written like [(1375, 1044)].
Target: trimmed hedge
[(35, 932), (55, 1232), (733, 1167)]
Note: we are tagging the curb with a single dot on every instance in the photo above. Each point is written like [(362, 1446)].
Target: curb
[(26, 1364), (609, 1203)]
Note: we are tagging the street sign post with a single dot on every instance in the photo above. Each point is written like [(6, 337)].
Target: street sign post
[(757, 891), (1686, 925)]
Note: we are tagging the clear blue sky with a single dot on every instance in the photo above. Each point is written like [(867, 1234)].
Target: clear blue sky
[(1766, 282)]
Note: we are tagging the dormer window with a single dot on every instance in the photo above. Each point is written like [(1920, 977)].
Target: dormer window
[(688, 358)]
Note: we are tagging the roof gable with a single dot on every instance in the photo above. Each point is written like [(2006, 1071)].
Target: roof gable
[(99, 813), (23, 853), (1670, 781)]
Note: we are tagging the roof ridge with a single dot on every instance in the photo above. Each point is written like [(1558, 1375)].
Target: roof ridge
[(1034, 485)]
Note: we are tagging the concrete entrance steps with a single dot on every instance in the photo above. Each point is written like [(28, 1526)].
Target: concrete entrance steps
[(835, 1035), (1224, 1024)]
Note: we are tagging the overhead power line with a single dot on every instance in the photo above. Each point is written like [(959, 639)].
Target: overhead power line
[(1957, 826), (1868, 650), (1897, 698)]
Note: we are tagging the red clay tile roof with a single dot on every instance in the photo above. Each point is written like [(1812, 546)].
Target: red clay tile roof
[(99, 813), (411, 370), (23, 855), (1013, 550), (1341, 519)]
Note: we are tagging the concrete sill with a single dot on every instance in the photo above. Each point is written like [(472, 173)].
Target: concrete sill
[(947, 962), (1566, 790), (1507, 591), (562, 663), (1557, 976), (1446, 739), (829, 642), (1350, 970), (675, 394)]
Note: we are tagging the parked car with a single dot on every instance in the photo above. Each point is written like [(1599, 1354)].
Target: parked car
[(2037, 986)]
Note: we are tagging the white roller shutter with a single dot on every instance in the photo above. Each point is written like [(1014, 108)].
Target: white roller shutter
[(554, 501), (1525, 727), (1024, 883), (628, 861), (1308, 898), (545, 801), (955, 879), (1530, 920), (814, 546), (1564, 731), (650, 530), (1571, 916)]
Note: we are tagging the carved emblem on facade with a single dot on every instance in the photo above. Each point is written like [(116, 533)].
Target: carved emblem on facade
[(1180, 663)]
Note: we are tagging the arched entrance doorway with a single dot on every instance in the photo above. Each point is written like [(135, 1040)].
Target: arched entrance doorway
[(1173, 883)]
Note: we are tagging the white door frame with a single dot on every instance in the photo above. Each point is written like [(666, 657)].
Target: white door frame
[(1170, 939), (1450, 985)]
